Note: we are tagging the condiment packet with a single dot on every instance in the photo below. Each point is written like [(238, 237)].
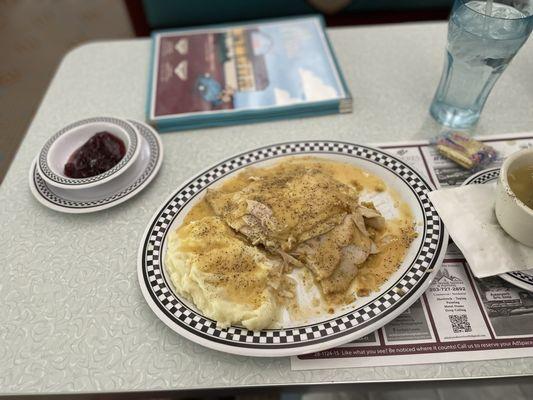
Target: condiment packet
[(468, 214), (465, 151)]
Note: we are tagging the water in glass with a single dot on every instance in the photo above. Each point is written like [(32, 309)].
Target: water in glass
[(483, 37)]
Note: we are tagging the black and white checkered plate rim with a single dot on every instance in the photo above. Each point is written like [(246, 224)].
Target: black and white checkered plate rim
[(525, 280), (132, 148), (296, 340), (481, 177)]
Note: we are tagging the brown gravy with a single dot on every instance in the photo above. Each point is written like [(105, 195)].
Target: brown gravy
[(393, 241)]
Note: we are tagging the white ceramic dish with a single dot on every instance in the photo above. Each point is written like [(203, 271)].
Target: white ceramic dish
[(355, 320), (56, 151), (513, 215), (110, 193), (522, 279)]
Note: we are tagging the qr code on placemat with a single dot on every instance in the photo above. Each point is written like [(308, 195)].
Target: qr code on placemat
[(460, 323)]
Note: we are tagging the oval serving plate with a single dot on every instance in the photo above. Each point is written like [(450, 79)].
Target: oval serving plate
[(355, 320), (522, 279)]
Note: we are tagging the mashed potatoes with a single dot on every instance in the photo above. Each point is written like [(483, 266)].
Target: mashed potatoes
[(227, 279)]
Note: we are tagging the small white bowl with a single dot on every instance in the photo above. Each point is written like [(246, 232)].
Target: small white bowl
[(57, 150), (513, 215)]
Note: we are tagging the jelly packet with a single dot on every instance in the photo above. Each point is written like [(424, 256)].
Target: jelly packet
[(465, 151)]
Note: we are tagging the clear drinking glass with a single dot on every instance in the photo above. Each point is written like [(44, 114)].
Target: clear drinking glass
[(483, 37)]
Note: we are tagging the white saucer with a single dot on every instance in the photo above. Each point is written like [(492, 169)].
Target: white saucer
[(111, 193), (522, 279)]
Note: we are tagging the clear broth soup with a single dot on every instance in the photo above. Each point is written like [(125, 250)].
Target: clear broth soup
[(521, 183)]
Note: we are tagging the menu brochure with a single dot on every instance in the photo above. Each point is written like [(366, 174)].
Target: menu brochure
[(244, 72)]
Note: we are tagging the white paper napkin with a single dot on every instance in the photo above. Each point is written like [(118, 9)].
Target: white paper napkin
[(468, 214)]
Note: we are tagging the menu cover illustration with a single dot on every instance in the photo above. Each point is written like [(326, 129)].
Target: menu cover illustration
[(244, 73)]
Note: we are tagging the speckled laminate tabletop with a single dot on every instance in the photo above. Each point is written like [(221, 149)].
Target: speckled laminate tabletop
[(72, 317)]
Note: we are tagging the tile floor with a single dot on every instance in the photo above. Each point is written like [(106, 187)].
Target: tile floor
[(34, 36)]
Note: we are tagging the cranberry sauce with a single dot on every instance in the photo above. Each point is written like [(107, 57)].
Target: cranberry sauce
[(99, 154)]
